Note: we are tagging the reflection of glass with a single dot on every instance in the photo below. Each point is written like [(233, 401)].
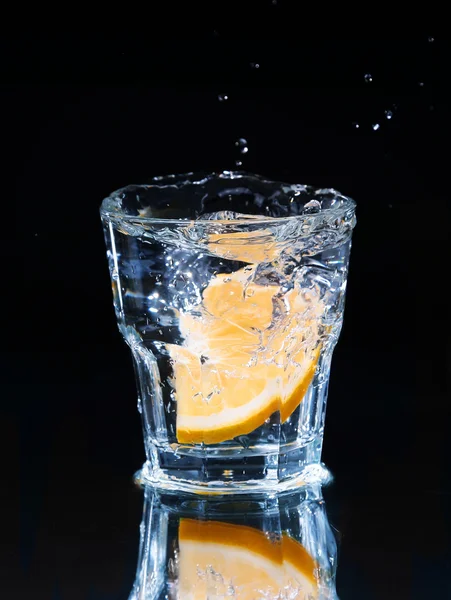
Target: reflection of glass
[(230, 292), (249, 549)]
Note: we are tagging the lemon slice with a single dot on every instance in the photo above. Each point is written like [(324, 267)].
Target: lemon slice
[(236, 366), (251, 247), (217, 558)]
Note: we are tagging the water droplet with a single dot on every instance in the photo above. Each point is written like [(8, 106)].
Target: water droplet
[(390, 206), (255, 65), (421, 83), (223, 97), (241, 144), (368, 77), (376, 126), (312, 207), (238, 163), (431, 39), (35, 235), (355, 125), (274, 2), (388, 114)]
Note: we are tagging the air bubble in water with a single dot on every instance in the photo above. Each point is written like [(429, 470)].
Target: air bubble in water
[(241, 144), (244, 441), (376, 126), (255, 65), (388, 114), (368, 77), (223, 97)]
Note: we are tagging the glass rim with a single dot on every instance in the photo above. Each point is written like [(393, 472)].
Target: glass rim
[(110, 204)]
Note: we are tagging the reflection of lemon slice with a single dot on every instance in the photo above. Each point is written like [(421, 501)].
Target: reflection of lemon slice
[(240, 363), (216, 559)]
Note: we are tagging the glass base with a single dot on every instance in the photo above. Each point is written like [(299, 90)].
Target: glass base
[(225, 474)]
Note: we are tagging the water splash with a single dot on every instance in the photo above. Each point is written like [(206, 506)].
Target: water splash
[(368, 78)]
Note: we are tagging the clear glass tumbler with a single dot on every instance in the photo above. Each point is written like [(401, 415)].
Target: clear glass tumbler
[(229, 290), (279, 547)]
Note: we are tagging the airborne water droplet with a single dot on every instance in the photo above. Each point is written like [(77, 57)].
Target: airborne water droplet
[(255, 65), (241, 144), (421, 83), (376, 126), (238, 163), (223, 97), (388, 114), (368, 77), (355, 125), (430, 39)]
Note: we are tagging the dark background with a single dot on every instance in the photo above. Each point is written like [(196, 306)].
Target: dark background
[(83, 115)]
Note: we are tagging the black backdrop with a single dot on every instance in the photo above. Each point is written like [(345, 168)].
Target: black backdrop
[(82, 116)]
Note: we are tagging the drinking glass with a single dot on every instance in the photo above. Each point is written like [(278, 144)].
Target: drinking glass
[(229, 290)]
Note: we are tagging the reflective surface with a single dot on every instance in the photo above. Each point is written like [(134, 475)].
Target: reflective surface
[(250, 549)]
